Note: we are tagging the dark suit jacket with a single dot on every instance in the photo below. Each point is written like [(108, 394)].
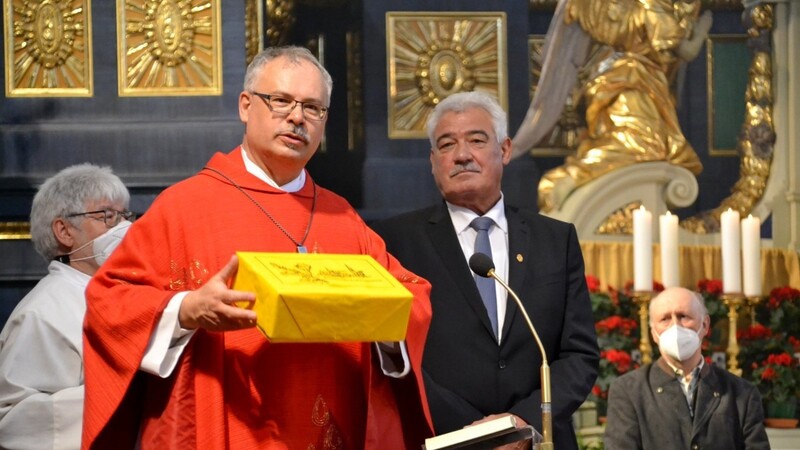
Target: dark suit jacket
[(647, 410), (467, 375)]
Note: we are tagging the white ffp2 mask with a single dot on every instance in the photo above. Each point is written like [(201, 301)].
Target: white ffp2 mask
[(105, 244), (678, 342)]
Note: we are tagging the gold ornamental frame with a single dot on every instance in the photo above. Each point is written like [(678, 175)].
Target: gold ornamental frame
[(48, 48), (15, 231), (431, 55), (169, 48)]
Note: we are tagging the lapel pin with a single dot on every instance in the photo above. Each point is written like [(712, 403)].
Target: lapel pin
[(519, 257)]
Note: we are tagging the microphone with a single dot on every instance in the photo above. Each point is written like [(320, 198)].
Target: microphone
[(483, 266)]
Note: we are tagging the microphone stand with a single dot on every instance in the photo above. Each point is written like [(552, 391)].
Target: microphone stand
[(547, 409)]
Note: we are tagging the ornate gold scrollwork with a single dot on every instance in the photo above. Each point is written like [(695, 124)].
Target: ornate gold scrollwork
[(280, 20), (433, 55), (758, 132), (620, 221), (253, 24), (550, 5), (169, 47), (48, 48)]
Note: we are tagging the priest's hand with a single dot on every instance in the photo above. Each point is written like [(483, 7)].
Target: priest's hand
[(212, 306)]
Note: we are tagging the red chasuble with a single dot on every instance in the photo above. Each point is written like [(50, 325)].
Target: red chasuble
[(235, 389)]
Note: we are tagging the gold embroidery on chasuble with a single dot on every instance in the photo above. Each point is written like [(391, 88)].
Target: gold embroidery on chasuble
[(187, 278), (331, 437)]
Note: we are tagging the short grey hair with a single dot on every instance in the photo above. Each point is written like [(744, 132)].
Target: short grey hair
[(699, 301), (294, 54), (68, 192), (463, 101)]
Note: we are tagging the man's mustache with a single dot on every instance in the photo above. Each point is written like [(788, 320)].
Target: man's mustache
[(299, 131), (468, 167)]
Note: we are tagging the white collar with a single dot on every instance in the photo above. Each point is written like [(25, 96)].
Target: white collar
[(292, 186), (462, 217)]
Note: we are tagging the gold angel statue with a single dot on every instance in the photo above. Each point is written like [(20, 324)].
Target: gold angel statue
[(632, 52)]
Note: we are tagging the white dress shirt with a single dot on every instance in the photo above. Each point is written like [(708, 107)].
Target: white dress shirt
[(498, 237)]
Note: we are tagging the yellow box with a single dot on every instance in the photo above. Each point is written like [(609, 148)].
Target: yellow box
[(311, 297)]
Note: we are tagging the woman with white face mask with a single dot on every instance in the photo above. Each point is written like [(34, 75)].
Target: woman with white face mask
[(78, 218), (680, 401)]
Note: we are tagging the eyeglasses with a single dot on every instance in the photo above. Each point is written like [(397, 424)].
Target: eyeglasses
[(283, 105), (111, 217)]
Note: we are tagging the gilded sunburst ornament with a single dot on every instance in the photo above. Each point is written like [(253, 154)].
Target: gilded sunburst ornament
[(48, 48), (169, 47), (433, 55)]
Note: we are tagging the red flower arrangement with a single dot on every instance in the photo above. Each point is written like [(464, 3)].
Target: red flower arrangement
[(778, 378), (619, 359), (781, 311), (710, 287), (593, 284), (755, 344), (613, 363), (616, 324), (782, 295), (617, 332)]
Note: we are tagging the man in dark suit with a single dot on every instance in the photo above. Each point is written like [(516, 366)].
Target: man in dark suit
[(679, 401), (480, 359)]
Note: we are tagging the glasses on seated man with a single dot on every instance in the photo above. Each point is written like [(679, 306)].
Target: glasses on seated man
[(111, 217)]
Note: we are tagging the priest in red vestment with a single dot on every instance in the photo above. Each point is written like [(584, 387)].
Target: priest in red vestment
[(170, 362)]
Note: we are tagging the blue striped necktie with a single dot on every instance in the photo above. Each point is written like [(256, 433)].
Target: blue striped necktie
[(486, 285)]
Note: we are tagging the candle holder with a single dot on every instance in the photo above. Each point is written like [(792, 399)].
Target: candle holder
[(751, 301), (642, 298), (733, 301)]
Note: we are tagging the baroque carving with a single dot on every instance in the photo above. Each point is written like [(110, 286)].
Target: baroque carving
[(433, 55), (757, 135), (619, 222), (280, 20), (169, 47), (48, 48), (253, 24), (733, 5)]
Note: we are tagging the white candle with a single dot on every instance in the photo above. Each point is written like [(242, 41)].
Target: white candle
[(731, 249), (668, 236), (642, 250), (751, 255)]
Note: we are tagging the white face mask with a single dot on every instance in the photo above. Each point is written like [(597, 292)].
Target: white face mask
[(105, 244), (678, 342)]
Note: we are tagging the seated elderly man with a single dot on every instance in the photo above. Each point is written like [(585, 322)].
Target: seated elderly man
[(680, 401)]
